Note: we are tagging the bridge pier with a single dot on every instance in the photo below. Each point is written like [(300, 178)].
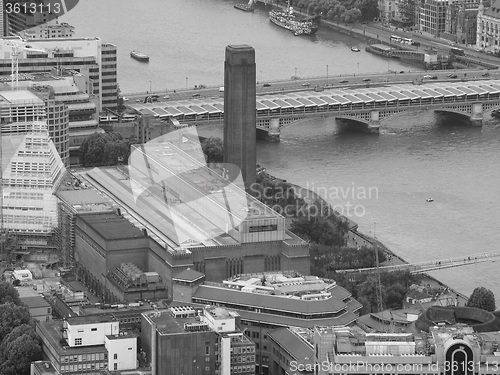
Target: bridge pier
[(476, 117), (374, 123)]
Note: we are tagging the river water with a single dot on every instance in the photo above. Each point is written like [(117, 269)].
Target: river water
[(382, 182)]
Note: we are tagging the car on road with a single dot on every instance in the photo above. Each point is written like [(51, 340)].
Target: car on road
[(415, 43), (366, 79), (451, 75), (166, 97), (139, 100), (196, 95), (125, 99), (485, 74), (430, 77), (344, 81), (306, 84), (266, 85)]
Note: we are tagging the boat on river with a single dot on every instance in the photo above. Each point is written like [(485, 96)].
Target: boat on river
[(139, 56)]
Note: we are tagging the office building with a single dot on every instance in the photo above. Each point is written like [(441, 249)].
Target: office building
[(87, 345), (40, 309), (88, 56), (239, 112), (274, 300), (431, 16), (196, 341), (31, 170)]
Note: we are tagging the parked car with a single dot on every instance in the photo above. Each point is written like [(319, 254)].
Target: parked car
[(266, 85), (485, 74), (196, 95), (366, 79), (451, 75), (344, 81), (306, 84), (166, 97)]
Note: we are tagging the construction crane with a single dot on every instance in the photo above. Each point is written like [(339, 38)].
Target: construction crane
[(16, 50)]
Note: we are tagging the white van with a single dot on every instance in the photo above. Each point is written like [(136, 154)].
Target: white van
[(221, 89)]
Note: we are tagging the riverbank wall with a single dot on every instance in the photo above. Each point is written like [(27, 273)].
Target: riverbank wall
[(357, 239)]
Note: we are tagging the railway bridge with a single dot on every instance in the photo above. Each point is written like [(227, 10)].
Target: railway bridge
[(362, 107)]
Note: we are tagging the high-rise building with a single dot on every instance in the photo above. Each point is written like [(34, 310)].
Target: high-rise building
[(2, 19), (239, 112), (88, 56), (31, 169)]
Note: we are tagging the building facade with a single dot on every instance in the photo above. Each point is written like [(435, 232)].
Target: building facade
[(32, 170), (87, 345), (196, 341), (488, 25), (88, 56)]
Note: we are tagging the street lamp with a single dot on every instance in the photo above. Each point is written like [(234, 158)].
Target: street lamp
[(295, 76), (358, 69), (150, 86), (327, 74), (186, 83)]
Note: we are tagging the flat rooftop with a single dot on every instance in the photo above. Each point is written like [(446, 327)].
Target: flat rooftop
[(52, 332), (90, 319), (166, 323), (20, 96), (111, 226)]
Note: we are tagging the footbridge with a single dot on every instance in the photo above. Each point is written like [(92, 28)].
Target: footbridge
[(433, 265), (361, 107)]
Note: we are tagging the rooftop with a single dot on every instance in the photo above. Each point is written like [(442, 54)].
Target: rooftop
[(111, 226), (51, 331), (188, 275), (35, 301), (90, 319)]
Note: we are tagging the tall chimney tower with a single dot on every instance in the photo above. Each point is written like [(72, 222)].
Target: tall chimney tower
[(239, 112)]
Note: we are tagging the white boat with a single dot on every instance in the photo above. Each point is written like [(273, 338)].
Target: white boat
[(355, 49), (429, 200)]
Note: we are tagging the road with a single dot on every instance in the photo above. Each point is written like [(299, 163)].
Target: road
[(344, 82)]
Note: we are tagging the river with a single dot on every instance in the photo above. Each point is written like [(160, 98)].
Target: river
[(414, 157)]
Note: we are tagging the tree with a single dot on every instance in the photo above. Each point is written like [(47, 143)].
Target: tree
[(213, 148), (12, 316), (482, 298), (8, 294), (101, 149), (18, 349)]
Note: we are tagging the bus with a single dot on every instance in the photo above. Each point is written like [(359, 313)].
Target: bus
[(408, 41), (395, 38), (457, 51)]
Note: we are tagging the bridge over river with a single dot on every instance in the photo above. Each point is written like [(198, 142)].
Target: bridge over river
[(363, 107)]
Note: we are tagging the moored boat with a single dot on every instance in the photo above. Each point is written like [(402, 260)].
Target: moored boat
[(287, 20), (139, 56), (355, 49)]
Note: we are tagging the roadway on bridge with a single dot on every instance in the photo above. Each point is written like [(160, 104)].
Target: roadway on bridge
[(309, 84)]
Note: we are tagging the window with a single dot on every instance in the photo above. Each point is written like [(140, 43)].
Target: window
[(115, 356), (78, 341), (93, 329), (115, 365), (207, 350)]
